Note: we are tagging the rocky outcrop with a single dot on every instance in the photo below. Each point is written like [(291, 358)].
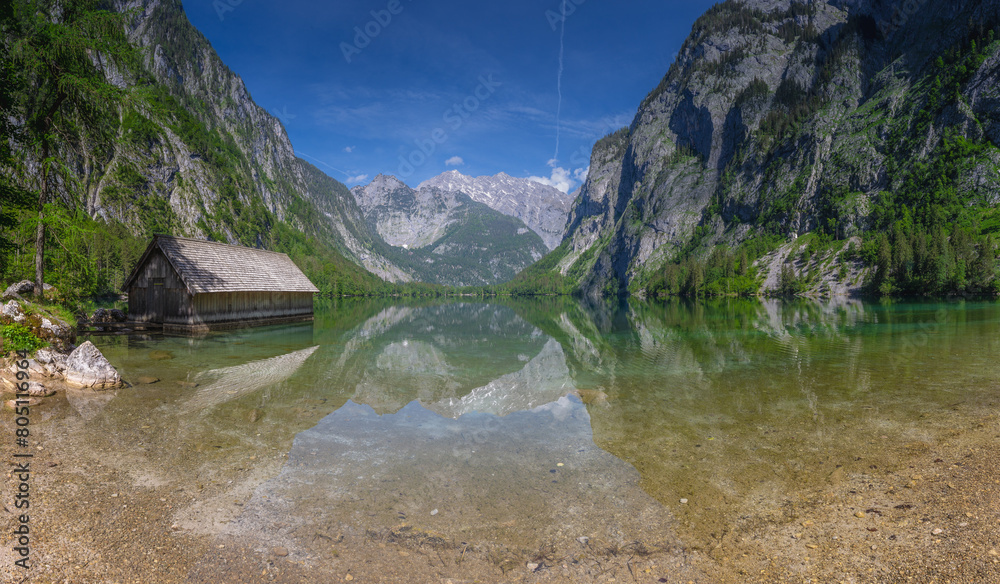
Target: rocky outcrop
[(43, 324), (86, 366), (12, 313), (52, 363), (18, 289), (543, 208)]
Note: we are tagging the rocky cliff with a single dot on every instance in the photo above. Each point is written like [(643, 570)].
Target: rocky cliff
[(543, 209), (782, 118)]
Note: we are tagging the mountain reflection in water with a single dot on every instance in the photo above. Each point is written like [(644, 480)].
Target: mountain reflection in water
[(390, 411)]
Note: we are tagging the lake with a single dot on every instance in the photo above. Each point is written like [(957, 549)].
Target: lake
[(548, 439)]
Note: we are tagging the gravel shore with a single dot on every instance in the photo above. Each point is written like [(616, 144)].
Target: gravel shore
[(100, 516)]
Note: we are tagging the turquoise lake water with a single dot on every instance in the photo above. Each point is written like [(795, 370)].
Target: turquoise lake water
[(521, 424)]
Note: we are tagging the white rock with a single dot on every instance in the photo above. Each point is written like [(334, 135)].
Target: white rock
[(13, 404), (54, 362), (87, 367), (56, 329), (13, 311)]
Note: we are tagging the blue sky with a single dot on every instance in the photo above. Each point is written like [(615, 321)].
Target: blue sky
[(427, 87)]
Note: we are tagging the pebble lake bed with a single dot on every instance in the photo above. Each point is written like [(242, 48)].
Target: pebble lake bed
[(541, 441)]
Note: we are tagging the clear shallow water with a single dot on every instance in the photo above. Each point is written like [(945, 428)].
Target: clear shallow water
[(519, 425)]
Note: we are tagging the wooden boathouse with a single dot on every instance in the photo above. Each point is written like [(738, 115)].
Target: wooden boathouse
[(190, 285)]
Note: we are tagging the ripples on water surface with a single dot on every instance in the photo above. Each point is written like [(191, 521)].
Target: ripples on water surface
[(520, 425)]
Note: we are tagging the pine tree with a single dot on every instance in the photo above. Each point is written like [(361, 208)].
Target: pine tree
[(54, 46), (12, 198)]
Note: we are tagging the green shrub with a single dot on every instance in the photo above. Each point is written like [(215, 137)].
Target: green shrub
[(16, 337)]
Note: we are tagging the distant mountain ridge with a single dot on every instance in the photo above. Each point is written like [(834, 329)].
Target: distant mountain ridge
[(449, 238), (544, 209)]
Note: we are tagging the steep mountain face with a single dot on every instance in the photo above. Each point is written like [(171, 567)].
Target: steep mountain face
[(783, 117), (543, 209), (449, 238), (194, 155), (183, 61), (404, 217)]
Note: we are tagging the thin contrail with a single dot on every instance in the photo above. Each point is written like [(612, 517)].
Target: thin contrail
[(299, 153), (562, 47)]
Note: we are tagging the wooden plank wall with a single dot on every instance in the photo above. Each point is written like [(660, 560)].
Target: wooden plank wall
[(172, 300), (226, 306), (159, 295)]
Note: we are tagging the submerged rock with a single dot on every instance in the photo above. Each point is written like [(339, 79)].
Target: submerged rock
[(13, 403), (88, 404), (87, 367), (36, 389)]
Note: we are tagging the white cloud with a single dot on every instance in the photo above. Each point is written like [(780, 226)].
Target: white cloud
[(349, 149), (357, 179), (454, 161), (561, 178)]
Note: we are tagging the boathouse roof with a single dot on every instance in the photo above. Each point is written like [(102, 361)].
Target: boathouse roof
[(210, 267)]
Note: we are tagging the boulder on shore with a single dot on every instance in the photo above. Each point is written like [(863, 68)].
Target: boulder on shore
[(104, 315), (53, 362), (18, 289), (87, 367)]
